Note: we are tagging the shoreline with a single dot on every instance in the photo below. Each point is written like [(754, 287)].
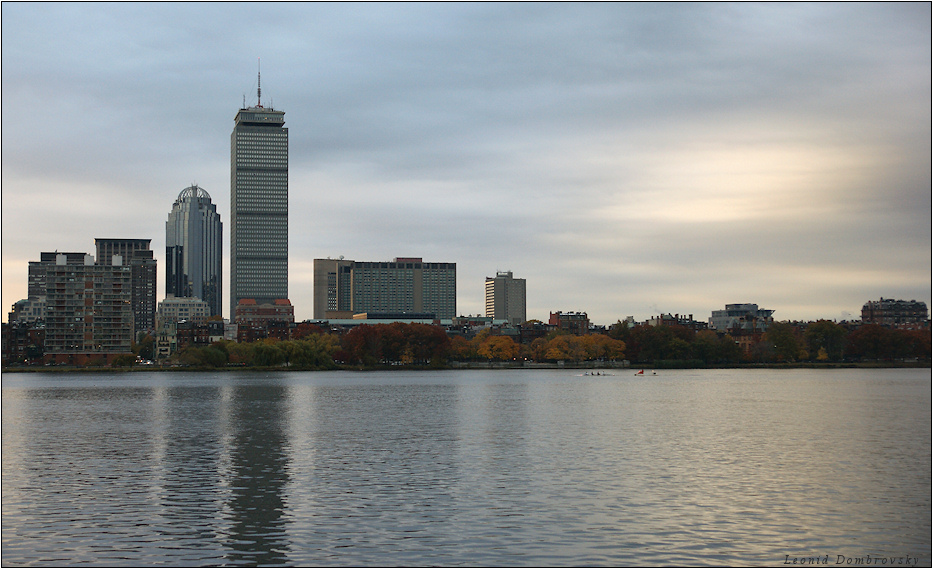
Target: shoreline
[(473, 366)]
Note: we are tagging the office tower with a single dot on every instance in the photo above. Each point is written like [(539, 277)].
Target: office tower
[(194, 249), (344, 287), (505, 298), (136, 254), (258, 206), (89, 310)]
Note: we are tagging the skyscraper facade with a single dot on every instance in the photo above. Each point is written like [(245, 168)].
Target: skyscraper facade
[(194, 249), (136, 254), (505, 298), (258, 206), (344, 287)]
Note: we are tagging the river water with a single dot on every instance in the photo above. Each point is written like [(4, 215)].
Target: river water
[(471, 467)]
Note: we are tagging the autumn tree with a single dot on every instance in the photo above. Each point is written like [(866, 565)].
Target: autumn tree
[(498, 348)]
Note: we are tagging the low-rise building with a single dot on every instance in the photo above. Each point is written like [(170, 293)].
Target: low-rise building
[(249, 313), (684, 320), (903, 314), (30, 309), (574, 322), (179, 308), (23, 342), (741, 316)]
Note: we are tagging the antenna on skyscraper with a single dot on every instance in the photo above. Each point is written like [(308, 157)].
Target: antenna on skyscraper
[(258, 82)]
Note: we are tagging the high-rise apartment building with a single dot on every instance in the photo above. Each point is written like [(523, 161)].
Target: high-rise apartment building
[(406, 285), (194, 249), (136, 254), (258, 206), (38, 269), (89, 310), (505, 298)]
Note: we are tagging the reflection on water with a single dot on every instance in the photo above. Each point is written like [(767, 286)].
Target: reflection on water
[(259, 473), (466, 468)]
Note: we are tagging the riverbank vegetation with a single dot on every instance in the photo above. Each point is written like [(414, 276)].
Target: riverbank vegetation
[(371, 346), (423, 345)]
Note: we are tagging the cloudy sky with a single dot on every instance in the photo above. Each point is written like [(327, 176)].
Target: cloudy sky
[(625, 159)]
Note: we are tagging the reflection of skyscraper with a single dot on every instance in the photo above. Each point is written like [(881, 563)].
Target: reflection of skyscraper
[(194, 249), (258, 206), (259, 467)]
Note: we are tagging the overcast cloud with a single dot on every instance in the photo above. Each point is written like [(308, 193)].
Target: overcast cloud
[(625, 159)]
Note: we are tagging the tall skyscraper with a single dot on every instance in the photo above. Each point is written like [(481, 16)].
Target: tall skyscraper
[(194, 249), (505, 298), (136, 254), (344, 287), (258, 206)]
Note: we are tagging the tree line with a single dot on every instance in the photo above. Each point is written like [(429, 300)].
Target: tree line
[(783, 342), (397, 343)]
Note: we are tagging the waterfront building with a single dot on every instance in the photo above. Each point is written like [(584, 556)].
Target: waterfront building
[(258, 206), (194, 249), (906, 314), (22, 342), (89, 311), (505, 298), (577, 323), (741, 317), (136, 254), (406, 285), (32, 309)]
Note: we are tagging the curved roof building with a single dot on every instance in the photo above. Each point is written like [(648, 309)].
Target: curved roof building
[(194, 249)]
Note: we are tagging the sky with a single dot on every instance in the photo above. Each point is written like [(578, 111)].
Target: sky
[(624, 159)]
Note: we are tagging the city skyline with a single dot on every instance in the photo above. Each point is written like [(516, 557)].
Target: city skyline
[(624, 159)]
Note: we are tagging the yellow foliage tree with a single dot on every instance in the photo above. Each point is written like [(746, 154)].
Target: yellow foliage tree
[(499, 348)]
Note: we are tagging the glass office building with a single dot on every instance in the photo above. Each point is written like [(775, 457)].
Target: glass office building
[(194, 249)]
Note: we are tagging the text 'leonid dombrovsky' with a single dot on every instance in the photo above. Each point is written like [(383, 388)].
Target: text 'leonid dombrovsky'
[(867, 560)]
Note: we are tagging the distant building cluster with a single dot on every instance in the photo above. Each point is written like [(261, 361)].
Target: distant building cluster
[(83, 309)]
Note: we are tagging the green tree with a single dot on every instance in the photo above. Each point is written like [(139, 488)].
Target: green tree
[(826, 336), (267, 353), (783, 342), (124, 360)]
